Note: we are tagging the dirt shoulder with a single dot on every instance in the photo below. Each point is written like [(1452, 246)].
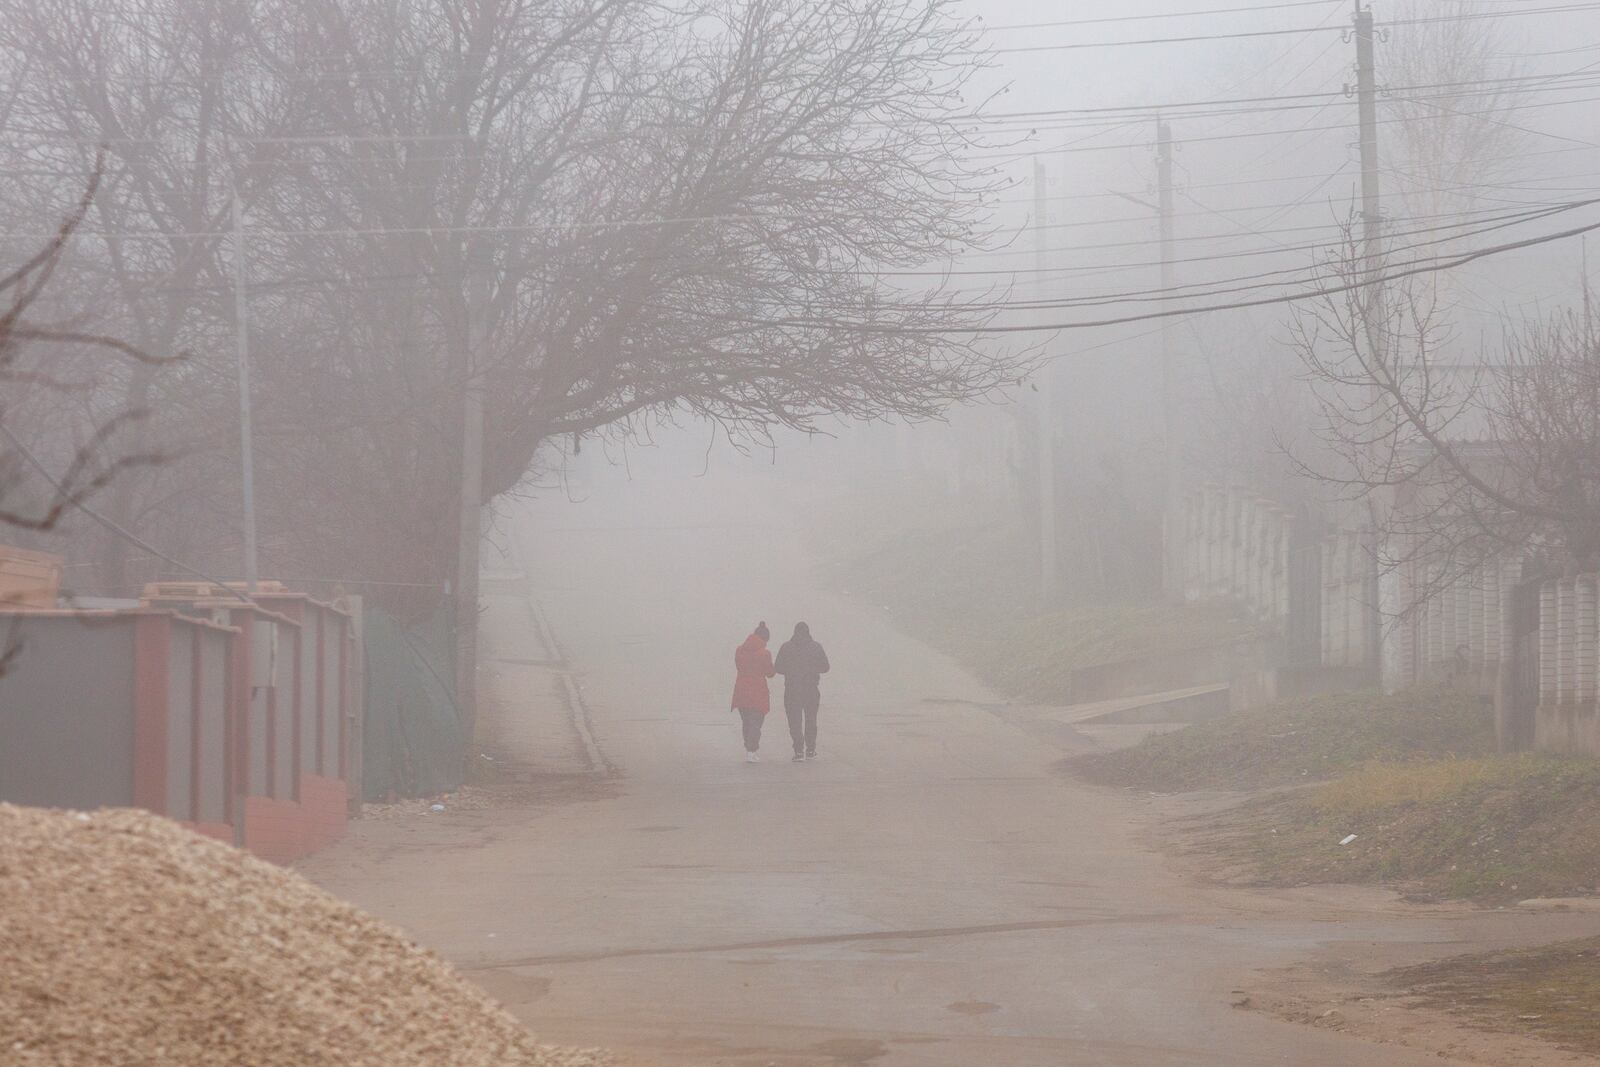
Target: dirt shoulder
[(1391, 790), (1519, 1007), (1298, 741), (1397, 802)]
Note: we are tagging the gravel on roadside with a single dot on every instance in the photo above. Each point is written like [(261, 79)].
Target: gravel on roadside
[(128, 940)]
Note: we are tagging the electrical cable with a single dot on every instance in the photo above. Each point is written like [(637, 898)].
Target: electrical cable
[(1301, 30), (1379, 279), (131, 538)]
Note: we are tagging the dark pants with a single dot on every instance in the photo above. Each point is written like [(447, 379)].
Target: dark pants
[(752, 728), (801, 708)]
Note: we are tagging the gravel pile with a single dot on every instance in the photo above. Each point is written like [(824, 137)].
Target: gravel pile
[(127, 940)]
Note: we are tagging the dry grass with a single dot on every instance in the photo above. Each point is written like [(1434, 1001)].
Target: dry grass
[(1299, 741), (1377, 787), (1492, 830), (1551, 992)]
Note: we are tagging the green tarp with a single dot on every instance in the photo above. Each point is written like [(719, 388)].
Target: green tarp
[(413, 743)]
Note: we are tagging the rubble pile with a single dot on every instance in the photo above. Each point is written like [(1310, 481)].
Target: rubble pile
[(126, 939)]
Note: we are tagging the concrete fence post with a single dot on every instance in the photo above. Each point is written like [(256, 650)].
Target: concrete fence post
[(1493, 571), (1449, 622), (1566, 646), (1547, 643), (1586, 639)]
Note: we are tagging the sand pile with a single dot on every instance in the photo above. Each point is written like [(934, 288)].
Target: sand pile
[(127, 940)]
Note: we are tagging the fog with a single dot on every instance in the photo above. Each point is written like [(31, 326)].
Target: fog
[(799, 532)]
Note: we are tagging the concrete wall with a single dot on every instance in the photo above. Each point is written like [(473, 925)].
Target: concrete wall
[(1568, 715), (1236, 548), (1452, 629)]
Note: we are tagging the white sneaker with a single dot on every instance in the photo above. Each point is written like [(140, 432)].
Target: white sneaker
[(751, 757)]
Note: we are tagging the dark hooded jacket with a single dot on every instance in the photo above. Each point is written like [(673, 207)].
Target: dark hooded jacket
[(801, 661)]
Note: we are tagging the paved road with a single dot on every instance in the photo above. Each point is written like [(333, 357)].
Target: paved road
[(927, 893)]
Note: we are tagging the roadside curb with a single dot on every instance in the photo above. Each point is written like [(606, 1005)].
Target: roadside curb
[(577, 706)]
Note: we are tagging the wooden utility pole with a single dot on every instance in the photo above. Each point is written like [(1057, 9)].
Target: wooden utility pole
[(469, 532), (467, 552), (1172, 437), (1372, 255), (1367, 101), (1045, 411)]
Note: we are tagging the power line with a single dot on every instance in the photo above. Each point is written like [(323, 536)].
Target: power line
[(133, 539), (1162, 15), (1585, 77), (1223, 286), (1023, 152), (1443, 265), (1464, 215), (1297, 31)]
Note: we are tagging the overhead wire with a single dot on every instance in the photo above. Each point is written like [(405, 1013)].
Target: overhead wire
[(1299, 30), (1381, 278), (72, 500)]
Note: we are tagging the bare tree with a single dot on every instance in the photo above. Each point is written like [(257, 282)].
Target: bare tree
[(1453, 131), (187, 122), (503, 223), (1456, 462), (605, 212), (1453, 100), (46, 469), (58, 448)]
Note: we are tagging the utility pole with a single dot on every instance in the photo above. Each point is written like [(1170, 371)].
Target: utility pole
[(1171, 434), (1588, 298), (1367, 99), (241, 329), (469, 532), (1046, 410), (467, 553), (1372, 254)]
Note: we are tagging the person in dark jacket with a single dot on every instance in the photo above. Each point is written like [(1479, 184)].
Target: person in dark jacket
[(802, 662), (752, 665)]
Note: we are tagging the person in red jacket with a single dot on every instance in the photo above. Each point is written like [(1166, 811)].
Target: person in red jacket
[(753, 666)]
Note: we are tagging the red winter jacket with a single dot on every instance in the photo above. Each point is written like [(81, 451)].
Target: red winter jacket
[(754, 664)]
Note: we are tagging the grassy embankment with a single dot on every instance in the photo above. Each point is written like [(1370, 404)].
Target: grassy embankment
[(1435, 812), (1551, 992), (1412, 775), (972, 592)]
